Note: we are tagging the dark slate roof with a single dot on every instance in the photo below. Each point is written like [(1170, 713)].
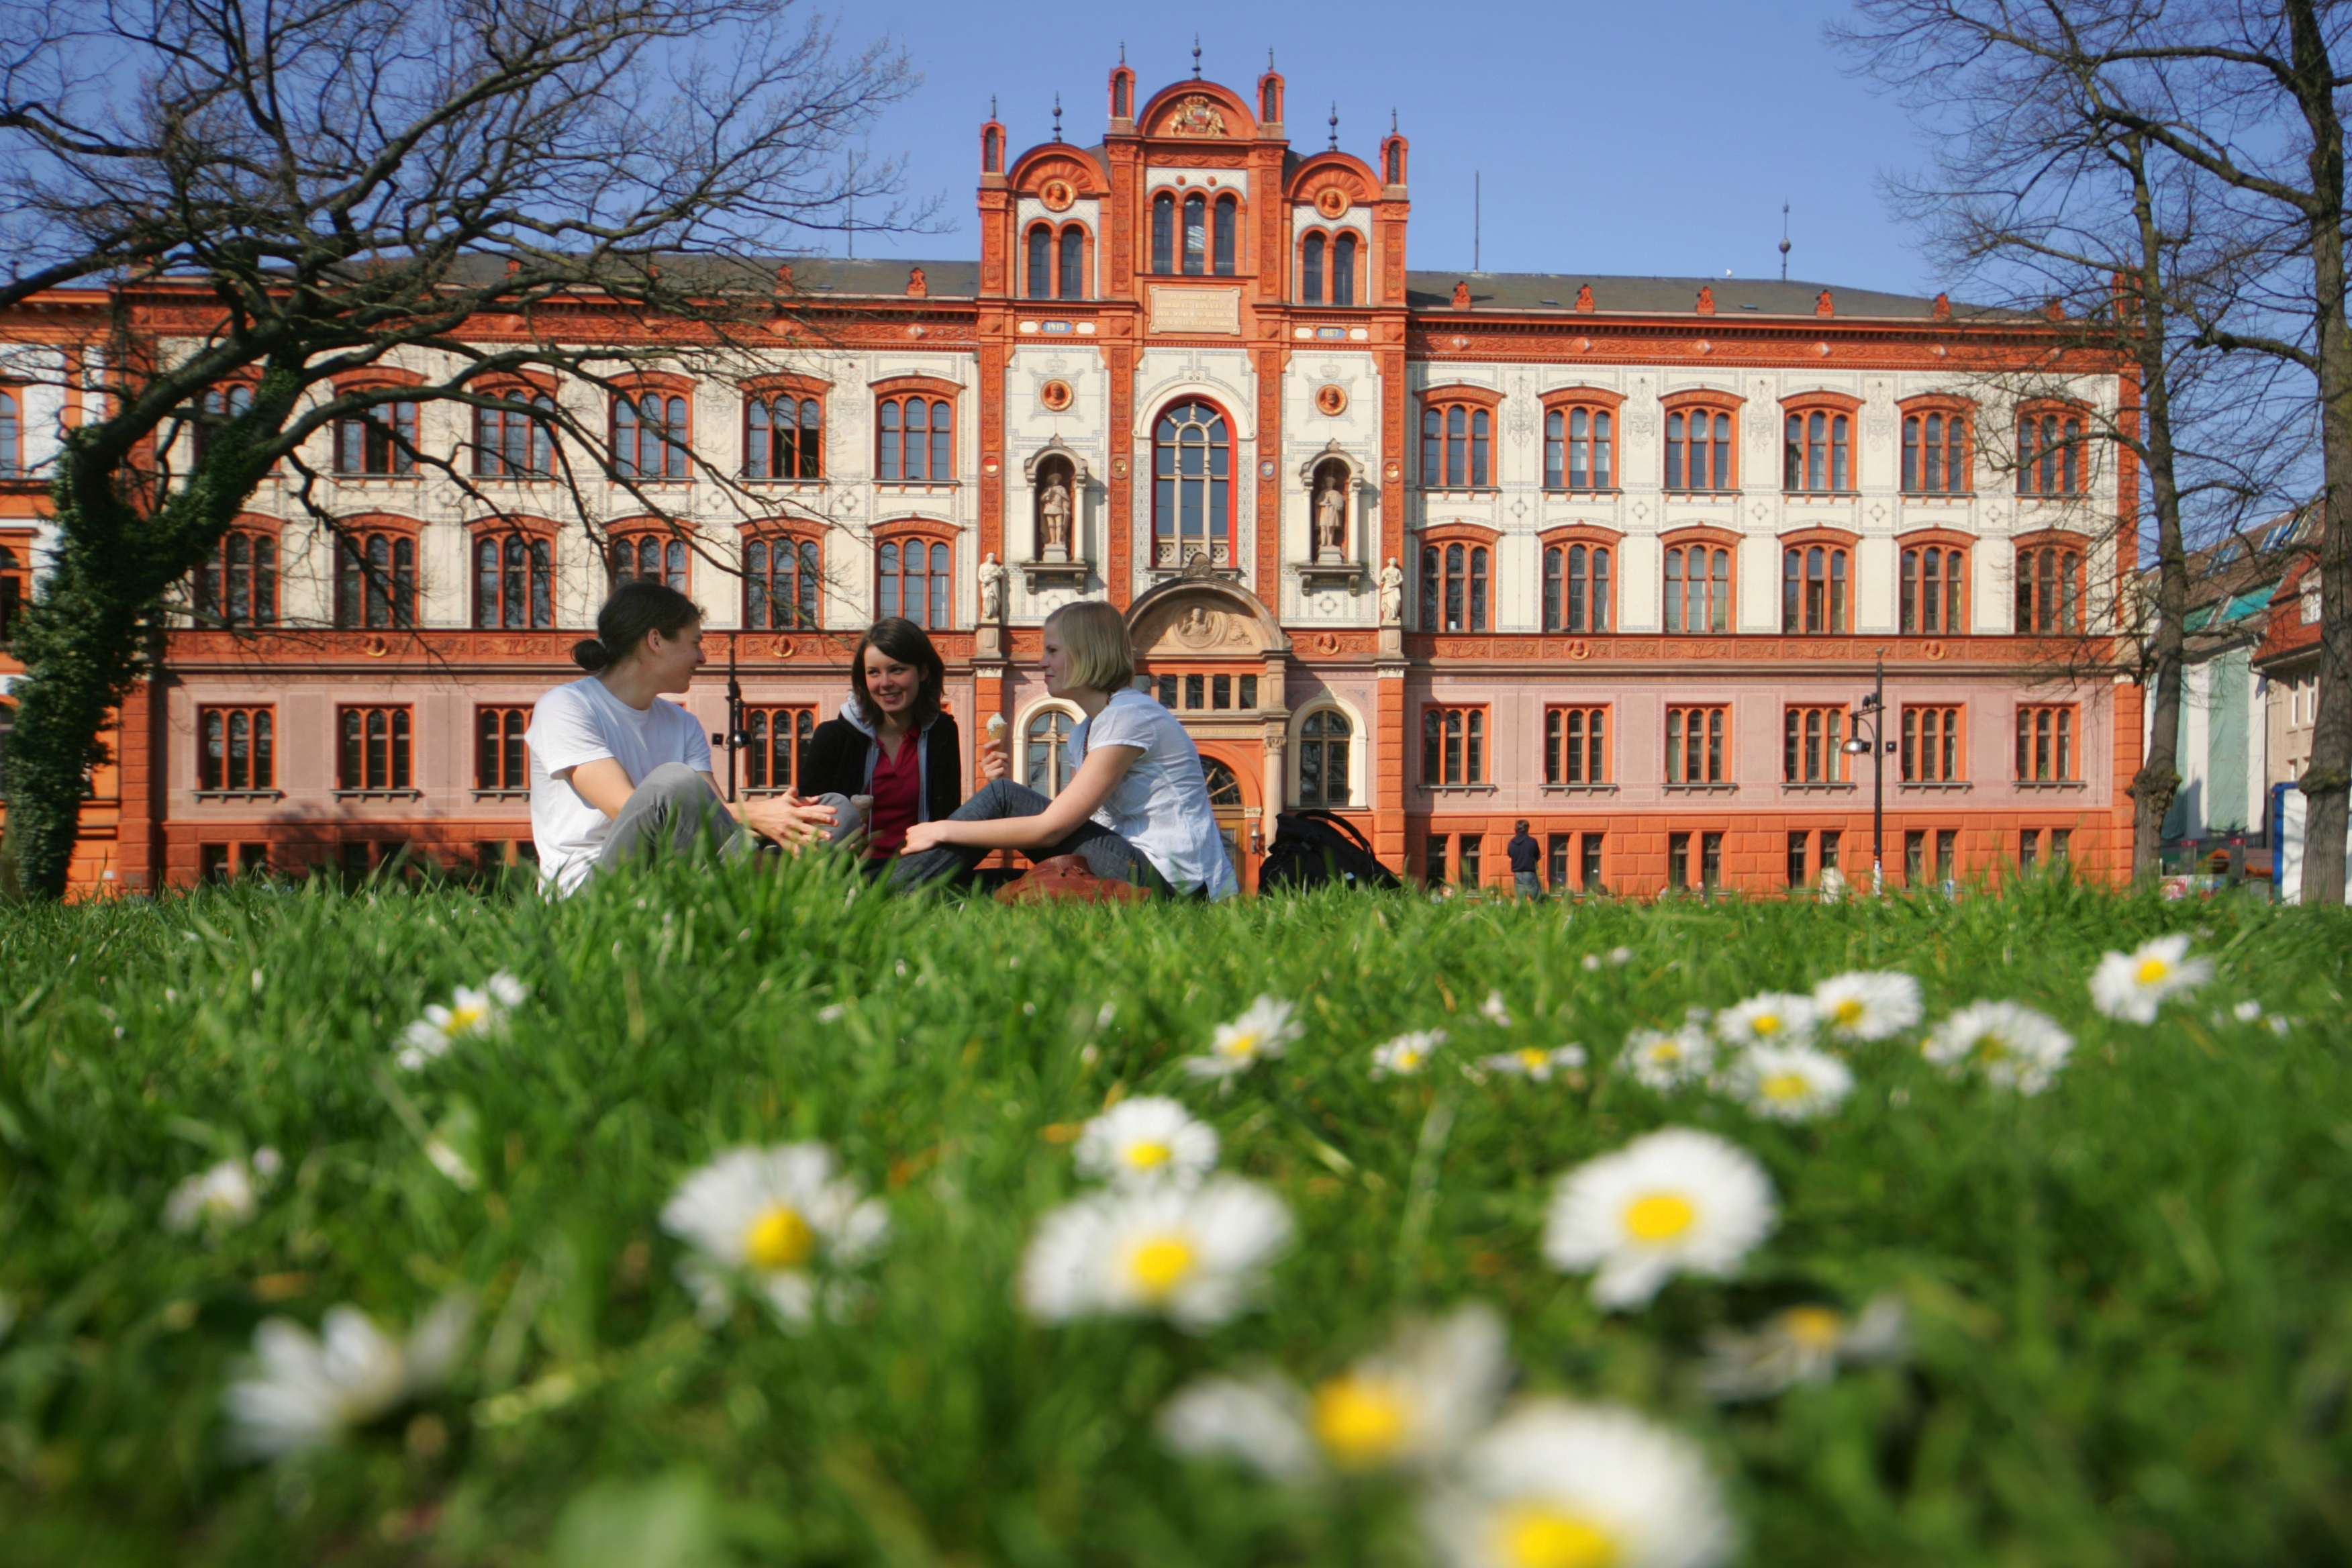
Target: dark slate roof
[(886, 275), (1661, 296)]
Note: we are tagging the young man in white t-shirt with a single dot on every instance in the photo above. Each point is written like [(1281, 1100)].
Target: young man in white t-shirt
[(614, 769)]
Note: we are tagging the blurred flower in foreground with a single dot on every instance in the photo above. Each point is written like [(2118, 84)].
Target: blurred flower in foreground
[(1559, 1485), (1494, 1010), (1774, 1018), (1868, 1005), (2132, 985), (1407, 1054), (221, 1198), (770, 1218), (1196, 1257), (303, 1392), (1788, 1083), (1663, 1060), (471, 1016), (1676, 1201), (2251, 1012), (1535, 1062), (1264, 1031), (2012, 1045), (1145, 1141), (1801, 1344), (1415, 1404)]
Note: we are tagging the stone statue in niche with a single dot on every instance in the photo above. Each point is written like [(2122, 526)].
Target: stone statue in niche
[(1331, 517), (1054, 518), (992, 588), (1391, 593)]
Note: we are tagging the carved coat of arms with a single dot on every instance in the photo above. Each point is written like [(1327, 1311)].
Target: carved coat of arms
[(1196, 116)]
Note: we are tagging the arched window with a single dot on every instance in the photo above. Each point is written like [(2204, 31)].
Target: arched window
[(1699, 588), (1456, 441), (1817, 452), (1045, 754), (1120, 109), (2049, 590), (783, 437), (239, 586), (661, 557), (915, 581), (1453, 587), (1323, 741), (514, 582), (1933, 580), (1196, 234), (511, 444), (1163, 233), (2050, 458), (12, 438), (1698, 450), (375, 581), (1041, 262), (13, 595), (1935, 454), (216, 407), (1191, 502), (918, 440), (1224, 785), (992, 151), (1812, 589), (379, 441), (1228, 224), (1579, 449), (1310, 270), (1576, 588), (1343, 269), (781, 583), (649, 436), (779, 738), (1072, 282)]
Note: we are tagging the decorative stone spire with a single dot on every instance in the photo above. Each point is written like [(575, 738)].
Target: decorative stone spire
[(1335, 126), (1196, 56), (1057, 117)]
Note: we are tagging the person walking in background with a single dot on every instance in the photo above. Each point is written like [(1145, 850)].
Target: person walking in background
[(1527, 861)]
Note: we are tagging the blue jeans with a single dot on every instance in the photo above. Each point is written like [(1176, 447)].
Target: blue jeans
[(1527, 884)]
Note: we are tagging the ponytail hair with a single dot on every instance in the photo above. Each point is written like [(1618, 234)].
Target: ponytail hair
[(637, 606)]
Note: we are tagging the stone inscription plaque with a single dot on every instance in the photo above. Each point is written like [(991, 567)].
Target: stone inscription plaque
[(1196, 310)]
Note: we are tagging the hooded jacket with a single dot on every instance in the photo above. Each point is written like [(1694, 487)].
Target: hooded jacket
[(841, 754)]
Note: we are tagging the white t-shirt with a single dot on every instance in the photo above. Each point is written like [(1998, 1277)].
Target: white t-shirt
[(1161, 806), (583, 723)]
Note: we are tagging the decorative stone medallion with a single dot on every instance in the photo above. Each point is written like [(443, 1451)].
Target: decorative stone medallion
[(1331, 203), (1332, 401), (1057, 195), (1056, 395)]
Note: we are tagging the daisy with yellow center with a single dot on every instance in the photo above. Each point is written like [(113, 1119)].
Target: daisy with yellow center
[(1145, 1141), (770, 1219), (1194, 1255), (2132, 985), (1801, 1345), (1676, 1201), (304, 1391), (1867, 1005), (1788, 1083), (1535, 1063), (1561, 1485), (1264, 1030), (1407, 1054), (1774, 1018), (471, 1016), (1663, 1060), (2010, 1046)]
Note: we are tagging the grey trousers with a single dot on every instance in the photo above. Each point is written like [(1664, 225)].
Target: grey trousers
[(672, 810), (1106, 854)]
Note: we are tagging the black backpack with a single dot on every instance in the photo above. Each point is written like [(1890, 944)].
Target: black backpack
[(1313, 848)]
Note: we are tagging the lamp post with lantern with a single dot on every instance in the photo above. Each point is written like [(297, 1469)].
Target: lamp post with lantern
[(1872, 711)]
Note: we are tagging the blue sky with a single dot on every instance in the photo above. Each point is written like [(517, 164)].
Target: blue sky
[(1611, 139)]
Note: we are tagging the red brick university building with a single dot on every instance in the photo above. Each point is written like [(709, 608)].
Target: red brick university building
[(1435, 551)]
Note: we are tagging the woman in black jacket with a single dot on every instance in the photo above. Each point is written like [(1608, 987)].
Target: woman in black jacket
[(893, 741)]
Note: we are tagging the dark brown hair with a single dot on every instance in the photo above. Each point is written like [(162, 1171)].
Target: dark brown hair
[(637, 606), (904, 641)]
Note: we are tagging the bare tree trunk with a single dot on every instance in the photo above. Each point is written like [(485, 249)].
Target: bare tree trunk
[(2143, 320)]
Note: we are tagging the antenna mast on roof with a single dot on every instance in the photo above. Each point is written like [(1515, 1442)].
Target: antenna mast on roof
[(1335, 125), (1784, 242), (1196, 56), (1478, 192), (1057, 117)]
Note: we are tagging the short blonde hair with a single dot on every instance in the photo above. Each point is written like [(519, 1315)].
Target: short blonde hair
[(1095, 634)]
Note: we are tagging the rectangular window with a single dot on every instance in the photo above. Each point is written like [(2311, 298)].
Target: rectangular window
[(1914, 857), (1710, 861), (777, 736), (375, 754), (379, 442), (2061, 841), (1591, 847), (234, 748), (1800, 846), (783, 437), (1931, 745), (1575, 745), (1829, 851), (212, 861), (500, 760), (2029, 848), (1813, 745), (1556, 848), (1471, 845), (1678, 860), (1947, 844), (1694, 745), (2045, 743), (1433, 866), (1453, 746)]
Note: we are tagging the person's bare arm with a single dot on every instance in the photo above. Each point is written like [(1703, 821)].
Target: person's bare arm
[(1096, 777), (603, 783)]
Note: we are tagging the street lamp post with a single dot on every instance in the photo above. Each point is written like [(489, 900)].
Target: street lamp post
[(1872, 711)]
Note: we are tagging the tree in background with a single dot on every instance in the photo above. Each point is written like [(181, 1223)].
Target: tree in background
[(334, 182)]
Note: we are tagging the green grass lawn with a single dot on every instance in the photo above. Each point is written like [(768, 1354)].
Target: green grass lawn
[(2127, 1301)]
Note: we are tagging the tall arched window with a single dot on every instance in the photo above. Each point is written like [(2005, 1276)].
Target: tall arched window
[(649, 436), (1579, 449), (1163, 233), (1456, 443), (1310, 270), (1935, 454), (918, 440), (1934, 577), (1576, 588), (1453, 587), (238, 587), (216, 407), (783, 437), (511, 444), (1196, 234), (1343, 269), (12, 438), (1699, 588), (514, 582), (1817, 452), (1191, 502), (1228, 226), (2049, 589), (1072, 282), (1812, 589), (1698, 450), (375, 581), (661, 557), (1045, 754), (1323, 741), (1041, 262), (779, 584), (2050, 458), (914, 582)]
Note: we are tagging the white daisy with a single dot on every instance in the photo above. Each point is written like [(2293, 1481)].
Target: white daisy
[(221, 1198), (1196, 1256), (1663, 1060), (1674, 1201), (2014, 1047), (2132, 985), (1407, 1054), (1801, 1345), (1559, 1485), (1868, 1004), (1415, 1404), (1494, 1010), (769, 1218), (303, 1392), (470, 1016), (1774, 1018), (1788, 1083), (1264, 1030), (1147, 1140), (1535, 1062)]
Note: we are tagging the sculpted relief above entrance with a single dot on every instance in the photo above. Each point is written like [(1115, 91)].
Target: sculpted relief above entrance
[(1190, 628)]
